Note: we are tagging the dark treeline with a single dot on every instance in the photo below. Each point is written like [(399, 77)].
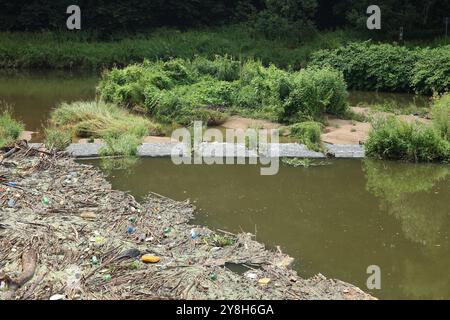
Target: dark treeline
[(271, 18)]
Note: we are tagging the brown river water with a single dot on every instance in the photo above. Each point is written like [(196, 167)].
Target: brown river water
[(336, 219)]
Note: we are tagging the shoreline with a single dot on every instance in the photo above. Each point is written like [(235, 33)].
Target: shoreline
[(288, 150), (64, 214)]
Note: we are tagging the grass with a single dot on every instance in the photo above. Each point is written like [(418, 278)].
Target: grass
[(10, 129), (69, 51), (57, 139), (120, 130), (100, 120), (308, 133), (393, 139), (123, 145), (441, 115)]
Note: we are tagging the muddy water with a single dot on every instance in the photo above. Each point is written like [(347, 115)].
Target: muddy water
[(336, 219), (32, 96)]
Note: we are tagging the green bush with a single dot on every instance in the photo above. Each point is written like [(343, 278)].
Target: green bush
[(262, 89), (441, 115), (368, 66), (393, 139), (10, 129), (431, 73), (313, 93), (308, 133), (389, 67), (193, 88), (221, 68)]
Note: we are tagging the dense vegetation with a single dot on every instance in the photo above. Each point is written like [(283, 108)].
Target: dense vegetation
[(394, 139), (184, 90), (390, 67), (70, 51)]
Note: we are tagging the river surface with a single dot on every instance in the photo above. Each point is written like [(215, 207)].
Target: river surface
[(336, 219)]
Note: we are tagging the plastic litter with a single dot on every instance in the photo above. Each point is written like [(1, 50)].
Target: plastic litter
[(45, 200), (107, 277), (213, 276), (11, 203), (94, 260), (57, 297), (264, 281), (147, 258)]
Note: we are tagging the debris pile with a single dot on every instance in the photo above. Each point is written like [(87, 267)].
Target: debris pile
[(65, 234)]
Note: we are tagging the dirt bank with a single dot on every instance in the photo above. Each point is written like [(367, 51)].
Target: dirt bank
[(65, 234)]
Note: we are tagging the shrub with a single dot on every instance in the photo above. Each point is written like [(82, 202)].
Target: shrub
[(368, 66), (221, 68), (262, 88), (393, 139), (56, 139), (441, 116), (389, 67), (10, 129), (190, 88), (313, 93), (431, 72), (308, 133)]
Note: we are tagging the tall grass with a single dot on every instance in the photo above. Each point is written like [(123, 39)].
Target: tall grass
[(393, 139), (441, 115), (120, 130), (64, 51), (10, 129), (99, 119)]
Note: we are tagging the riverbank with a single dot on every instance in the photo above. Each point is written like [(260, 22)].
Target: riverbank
[(73, 237)]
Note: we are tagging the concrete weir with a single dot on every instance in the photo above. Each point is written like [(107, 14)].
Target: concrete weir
[(290, 150)]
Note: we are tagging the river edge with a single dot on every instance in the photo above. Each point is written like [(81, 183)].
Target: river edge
[(65, 214), (207, 149)]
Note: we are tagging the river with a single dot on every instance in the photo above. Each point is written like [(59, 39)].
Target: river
[(337, 219)]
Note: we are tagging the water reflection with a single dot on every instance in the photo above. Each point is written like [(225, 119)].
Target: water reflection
[(406, 191), (417, 196)]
